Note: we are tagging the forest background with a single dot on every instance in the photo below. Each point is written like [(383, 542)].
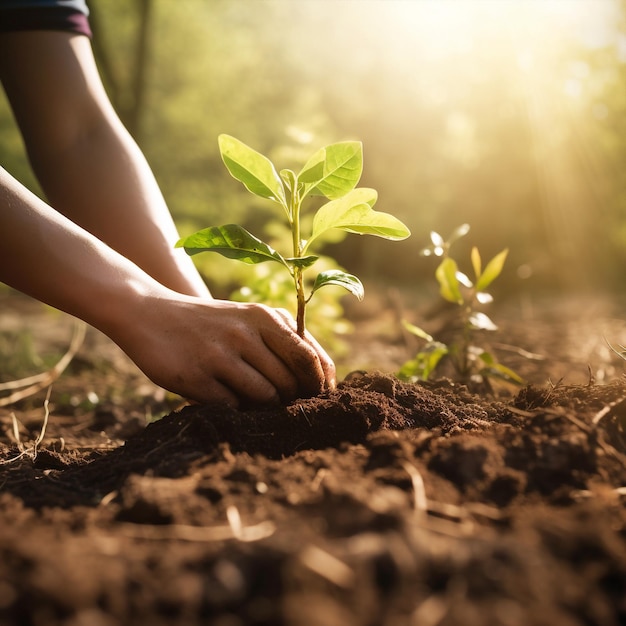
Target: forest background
[(509, 115)]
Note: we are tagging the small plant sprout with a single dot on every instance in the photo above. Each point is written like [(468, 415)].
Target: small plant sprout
[(440, 246), (471, 362), (332, 172)]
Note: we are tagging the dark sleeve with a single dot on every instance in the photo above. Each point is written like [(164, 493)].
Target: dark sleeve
[(66, 15)]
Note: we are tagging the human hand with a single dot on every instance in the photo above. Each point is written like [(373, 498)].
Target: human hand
[(225, 352)]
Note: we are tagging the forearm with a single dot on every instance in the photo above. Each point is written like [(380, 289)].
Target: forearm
[(89, 167), (103, 183), (48, 257), (105, 252), (207, 350)]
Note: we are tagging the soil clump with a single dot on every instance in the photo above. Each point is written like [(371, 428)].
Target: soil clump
[(378, 503)]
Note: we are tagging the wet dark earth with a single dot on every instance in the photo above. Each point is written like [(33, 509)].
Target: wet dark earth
[(378, 503)]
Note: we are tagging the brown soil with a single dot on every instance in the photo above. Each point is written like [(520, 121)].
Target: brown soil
[(380, 503)]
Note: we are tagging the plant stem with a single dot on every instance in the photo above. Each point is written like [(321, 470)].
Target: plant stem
[(466, 341), (297, 271), (301, 301)]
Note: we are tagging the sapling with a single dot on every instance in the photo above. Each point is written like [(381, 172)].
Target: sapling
[(332, 172), (468, 359), (325, 316)]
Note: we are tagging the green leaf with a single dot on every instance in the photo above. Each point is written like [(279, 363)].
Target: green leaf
[(424, 363), (441, 247), (483, 297), (476, 262), (457, 233), (342, 279), (464, 280), (437, 240), (290, 179), (334, 170), (486, 357), (492, 271), (354, 214), (438, 246), (506, 373), (302, 261), (448, 283), (480, 321), (252, 169), (417, 331), (231, 241), (434, 355), (313, 170), (493, 368)]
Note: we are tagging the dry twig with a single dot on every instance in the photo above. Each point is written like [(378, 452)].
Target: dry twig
[(32, 451), (33, 384), (420, 502), (327, 566), (184, 532)]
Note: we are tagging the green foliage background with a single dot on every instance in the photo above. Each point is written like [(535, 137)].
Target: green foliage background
[(524, 140)]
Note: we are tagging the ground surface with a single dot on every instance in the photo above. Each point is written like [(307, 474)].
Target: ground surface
[(380, 503)]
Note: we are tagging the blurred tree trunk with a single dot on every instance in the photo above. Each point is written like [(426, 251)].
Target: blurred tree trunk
[(128, 97), (142, 59)]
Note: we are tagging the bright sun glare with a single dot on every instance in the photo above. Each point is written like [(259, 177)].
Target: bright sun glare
[(512, 95), (446, 27), (520, 47)]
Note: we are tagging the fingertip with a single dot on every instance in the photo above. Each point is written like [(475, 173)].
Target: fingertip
[(264, 393), (330, 375), (221, 395), (231, 404)]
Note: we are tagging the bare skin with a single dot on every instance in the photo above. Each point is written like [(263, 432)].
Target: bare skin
[(89, 167), (105, 252)]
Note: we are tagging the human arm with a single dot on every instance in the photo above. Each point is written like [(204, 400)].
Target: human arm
[(204, 349), (112, 263), (89, 167)]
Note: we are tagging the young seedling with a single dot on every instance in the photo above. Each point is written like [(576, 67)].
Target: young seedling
[(332, 172), (469, 360)]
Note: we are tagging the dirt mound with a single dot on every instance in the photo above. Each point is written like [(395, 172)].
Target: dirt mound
[(378, 503)]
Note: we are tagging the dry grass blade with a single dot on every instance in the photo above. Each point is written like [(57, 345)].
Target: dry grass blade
[(32, 451), (23, 382), (234, 521), (200, 534), (606, 410), (177, 531), (44, 426), (327, 566), (420, 502), (531, 356), (439, 517), (16, 432), (319, 478), (431, 612), (33, 384)]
